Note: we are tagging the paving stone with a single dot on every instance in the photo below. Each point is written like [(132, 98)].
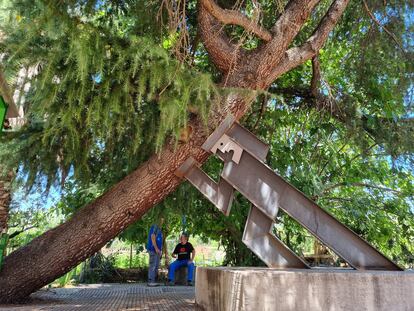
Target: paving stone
[(102, 297)]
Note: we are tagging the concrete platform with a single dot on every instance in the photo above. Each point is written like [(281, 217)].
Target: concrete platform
[(257, 289)]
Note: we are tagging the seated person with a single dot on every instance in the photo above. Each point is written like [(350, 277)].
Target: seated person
[(186, 254)]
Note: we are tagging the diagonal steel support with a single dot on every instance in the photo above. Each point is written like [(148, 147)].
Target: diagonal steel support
[(245, 171), (268, 191), (220, 194), (259, 238)]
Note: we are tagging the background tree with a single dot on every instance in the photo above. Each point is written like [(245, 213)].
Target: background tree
[(111, 87)]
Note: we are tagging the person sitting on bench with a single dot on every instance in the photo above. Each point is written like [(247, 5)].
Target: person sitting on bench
[(186, 254)]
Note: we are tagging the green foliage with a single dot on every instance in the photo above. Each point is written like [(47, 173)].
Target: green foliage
[(99, 269), (68, 278), (139, 260), (366, 73), (358, 185), (102, 95)]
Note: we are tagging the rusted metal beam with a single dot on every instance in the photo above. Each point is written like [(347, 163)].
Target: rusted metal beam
[(268, 191), (222, 129), (245, 171), (220, 194), (259, 238)]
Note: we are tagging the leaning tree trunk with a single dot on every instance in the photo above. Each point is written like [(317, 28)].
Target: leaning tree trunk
[(60, 249), (5, 181), (5, 199)]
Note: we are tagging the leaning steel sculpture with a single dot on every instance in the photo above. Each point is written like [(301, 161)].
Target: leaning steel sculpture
[(245, 170)]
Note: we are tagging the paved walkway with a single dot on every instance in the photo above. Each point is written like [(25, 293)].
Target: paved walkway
[(101, 297)]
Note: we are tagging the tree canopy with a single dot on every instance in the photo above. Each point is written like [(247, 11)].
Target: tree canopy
[(107, 83)]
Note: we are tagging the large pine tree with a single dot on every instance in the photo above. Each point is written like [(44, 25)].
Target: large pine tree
[(124, 90)]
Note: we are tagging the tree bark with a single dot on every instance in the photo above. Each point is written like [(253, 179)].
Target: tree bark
[(59, 250), (5, 198), (6, 181), (6, 92)]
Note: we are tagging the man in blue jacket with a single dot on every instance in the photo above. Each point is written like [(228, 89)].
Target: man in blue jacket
[(154, 248)]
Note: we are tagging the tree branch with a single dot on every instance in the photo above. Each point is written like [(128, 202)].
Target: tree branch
[(222, 52), (16, 233), (316, 76), (284, 31), (298, 55), (372, 16), (261, 113), (232, 17), (7, 94), (332, 199), (358, 184)]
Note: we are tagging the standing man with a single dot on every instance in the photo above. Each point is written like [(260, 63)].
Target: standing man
[(154, 248), (186, 254)]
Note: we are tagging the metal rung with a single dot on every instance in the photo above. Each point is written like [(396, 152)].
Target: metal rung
[(249, 141), (220, 194), (259, 187), (259, 238)]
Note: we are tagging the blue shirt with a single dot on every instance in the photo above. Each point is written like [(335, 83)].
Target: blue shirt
[(158, 238)]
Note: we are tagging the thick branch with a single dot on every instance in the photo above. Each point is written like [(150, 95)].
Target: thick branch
[(284, 31), (222, 52), (5, 199), (232, 17), (316, 76), (292, 19), (7, 94), (298, 55)]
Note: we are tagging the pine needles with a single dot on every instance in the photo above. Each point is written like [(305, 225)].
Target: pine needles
[(103, 93)]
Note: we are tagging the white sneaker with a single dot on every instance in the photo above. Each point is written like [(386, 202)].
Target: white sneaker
[(152, 284)]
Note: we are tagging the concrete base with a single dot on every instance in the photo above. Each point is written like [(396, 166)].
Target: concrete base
[(256, 289)]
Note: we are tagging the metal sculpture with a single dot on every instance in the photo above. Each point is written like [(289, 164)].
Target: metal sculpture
[(245, 170)]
